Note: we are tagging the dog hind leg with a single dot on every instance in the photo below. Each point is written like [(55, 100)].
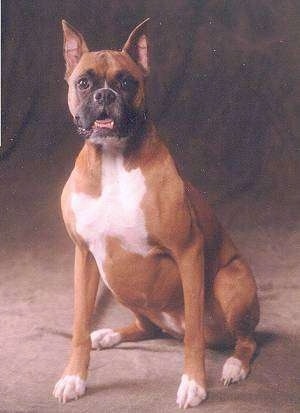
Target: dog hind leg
[(237, 366), (140, 329), (235, 290)]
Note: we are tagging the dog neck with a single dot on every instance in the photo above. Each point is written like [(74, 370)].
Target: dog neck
[(130, 147)]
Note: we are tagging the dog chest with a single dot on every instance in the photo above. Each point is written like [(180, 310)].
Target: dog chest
[(115, 213)]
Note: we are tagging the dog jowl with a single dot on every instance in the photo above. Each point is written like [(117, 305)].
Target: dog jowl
[(145, 231)]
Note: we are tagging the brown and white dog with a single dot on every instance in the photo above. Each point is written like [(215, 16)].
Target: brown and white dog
[(147, 232)]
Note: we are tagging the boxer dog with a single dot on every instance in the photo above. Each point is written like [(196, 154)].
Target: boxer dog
[(146, 231)]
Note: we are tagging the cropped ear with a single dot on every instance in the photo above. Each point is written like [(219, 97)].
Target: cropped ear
[(137, 46), (74, 47)]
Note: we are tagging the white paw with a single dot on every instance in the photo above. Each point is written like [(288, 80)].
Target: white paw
[(189, 393), (68, 388), (233, 371), (105, 338)]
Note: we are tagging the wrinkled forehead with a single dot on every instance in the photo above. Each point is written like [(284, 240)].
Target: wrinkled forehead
[(106, 64)]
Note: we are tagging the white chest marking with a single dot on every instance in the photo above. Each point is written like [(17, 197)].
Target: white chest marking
[(116, 213)]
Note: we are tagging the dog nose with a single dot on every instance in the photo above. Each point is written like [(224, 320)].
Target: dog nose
[(104, 96)]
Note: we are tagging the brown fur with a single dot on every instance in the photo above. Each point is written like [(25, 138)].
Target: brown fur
[(192, 261)]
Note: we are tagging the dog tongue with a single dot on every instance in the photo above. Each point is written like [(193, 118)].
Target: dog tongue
[(104, 123)]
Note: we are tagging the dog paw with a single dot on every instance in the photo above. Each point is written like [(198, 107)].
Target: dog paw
[(69, 388), (233, 371), (105, 338), (189, 393)]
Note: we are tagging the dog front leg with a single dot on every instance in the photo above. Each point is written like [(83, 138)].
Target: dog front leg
[(86, 277), (191, 266)]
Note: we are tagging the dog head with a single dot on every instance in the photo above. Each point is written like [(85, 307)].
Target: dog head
[(107, 88)]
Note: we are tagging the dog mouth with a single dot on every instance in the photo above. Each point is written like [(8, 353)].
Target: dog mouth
[(104, 133), (103, 124)]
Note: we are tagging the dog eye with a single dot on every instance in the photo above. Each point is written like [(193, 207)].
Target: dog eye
[(125, 83), (83, 83)]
